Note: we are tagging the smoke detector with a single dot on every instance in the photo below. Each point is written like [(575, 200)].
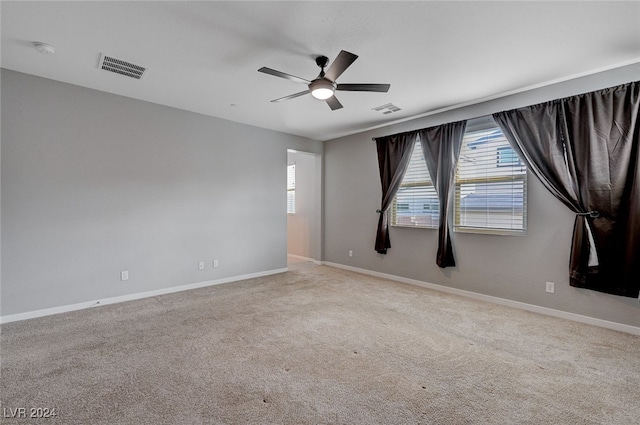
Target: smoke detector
[(44, 48)]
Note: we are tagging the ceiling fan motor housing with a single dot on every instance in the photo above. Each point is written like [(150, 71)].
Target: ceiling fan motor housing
[(322, 88), (322, 61)]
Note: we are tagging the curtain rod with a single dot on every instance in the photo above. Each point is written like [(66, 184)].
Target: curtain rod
[(425, 128), (560, 99)]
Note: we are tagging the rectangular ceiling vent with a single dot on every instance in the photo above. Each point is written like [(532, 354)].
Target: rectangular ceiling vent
[(119, 66), (387, 108)]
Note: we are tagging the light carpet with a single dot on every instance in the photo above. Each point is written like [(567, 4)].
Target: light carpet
[(317, 345)]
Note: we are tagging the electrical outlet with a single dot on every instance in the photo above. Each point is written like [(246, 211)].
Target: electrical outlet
[(350, 253), (124, 275), (551, 287), (201, 265), (215, 263)]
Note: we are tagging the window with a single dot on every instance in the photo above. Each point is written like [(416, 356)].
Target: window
[(491, 183), (416, 203), (291, 189), (490, 186)]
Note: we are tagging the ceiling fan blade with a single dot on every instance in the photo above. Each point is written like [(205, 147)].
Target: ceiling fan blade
[(381, 88), (291, 96), (283, 75), (334, 103), (340, 64)]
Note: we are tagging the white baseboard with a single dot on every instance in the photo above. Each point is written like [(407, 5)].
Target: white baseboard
[(474, 295), (299, 257), (113, 300), (496, 300)]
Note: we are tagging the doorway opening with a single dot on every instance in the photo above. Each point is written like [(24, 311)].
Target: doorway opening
[(304, 207)]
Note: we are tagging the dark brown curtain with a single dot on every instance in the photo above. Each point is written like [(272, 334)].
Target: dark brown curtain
[(394, 153), (441, 149), (586, 150)]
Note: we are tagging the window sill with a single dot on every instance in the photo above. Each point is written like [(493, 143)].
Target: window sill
[(404, 226), (498, 232)]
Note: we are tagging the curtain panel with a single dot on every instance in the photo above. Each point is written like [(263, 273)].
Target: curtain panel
[(394, 153), (441, 150), (585, 150)]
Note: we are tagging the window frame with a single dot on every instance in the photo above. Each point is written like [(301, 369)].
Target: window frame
[(414, 184), (291, 188), (474, 126)]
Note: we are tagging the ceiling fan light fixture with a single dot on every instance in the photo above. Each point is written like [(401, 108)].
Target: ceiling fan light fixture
[(322, 89), (322, 93)]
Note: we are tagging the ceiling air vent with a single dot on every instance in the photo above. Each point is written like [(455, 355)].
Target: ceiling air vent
[(121, 67), (387, 108)]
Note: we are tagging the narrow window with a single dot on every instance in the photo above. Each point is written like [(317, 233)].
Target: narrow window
[(291, 189), (416, 203)]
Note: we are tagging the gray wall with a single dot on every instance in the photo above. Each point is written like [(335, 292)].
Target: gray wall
[(94, 183), (304, 227), (510, 267)]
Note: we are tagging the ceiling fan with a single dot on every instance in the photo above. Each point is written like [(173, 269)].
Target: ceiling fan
[(323, 87)]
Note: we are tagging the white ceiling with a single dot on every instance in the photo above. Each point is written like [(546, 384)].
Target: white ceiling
[(204, 56)]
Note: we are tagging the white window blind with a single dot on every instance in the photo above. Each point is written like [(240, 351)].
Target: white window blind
[(491, 185), (291, 189), (416, 203)]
